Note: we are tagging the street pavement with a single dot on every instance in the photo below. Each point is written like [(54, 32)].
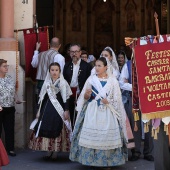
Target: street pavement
[(33, 160)]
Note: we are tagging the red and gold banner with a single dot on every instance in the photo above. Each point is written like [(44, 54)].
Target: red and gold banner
[(153, 73), (43, 38), (30, 39)]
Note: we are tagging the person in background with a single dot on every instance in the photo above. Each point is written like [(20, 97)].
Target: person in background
[(66, 52), (162, 149), (7, 107), (121, 59), (125, 82), (91, 60), (42, 60), (84, 55), (76, 73), (53, 130)]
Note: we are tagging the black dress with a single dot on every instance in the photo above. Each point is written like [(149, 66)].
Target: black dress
[(53, 134), (52, 123)]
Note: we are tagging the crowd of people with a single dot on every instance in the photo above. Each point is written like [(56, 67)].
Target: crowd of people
[(83, 107)]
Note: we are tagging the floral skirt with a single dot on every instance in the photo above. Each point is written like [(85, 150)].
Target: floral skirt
[(95, 157), (59, 144)]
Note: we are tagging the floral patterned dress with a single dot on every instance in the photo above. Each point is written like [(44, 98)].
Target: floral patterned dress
[(95, 157)]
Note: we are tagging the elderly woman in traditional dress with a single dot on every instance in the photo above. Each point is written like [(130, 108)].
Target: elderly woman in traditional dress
[(100, 135), (53, 129)]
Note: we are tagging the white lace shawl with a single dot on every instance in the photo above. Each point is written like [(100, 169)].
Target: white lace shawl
[(63, 87), (113, 96), (114, 60)]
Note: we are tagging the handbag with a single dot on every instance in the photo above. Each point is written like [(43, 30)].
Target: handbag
[(3, 155), (35, 121)]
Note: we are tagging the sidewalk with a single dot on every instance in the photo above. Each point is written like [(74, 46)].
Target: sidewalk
[(31, 160)]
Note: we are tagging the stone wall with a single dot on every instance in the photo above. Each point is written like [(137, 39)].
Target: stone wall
[(23, 18), (97, 24)]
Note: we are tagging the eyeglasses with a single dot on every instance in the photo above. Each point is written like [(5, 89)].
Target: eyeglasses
[(74, 52)]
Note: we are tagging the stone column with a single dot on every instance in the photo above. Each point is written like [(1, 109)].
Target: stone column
[(7, 41)]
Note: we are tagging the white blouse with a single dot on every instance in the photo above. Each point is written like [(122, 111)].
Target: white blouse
[(7, 91)]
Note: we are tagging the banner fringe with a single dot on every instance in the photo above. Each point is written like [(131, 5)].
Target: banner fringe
[(155, 115)]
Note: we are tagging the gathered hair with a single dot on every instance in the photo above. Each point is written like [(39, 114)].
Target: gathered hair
[(54, 64), (2, 61), (103, 60), (108, 50), (121, 53), (84, 52)]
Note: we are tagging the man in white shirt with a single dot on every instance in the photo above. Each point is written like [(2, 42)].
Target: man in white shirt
[(42, 60), (76, 73), (125, 82)]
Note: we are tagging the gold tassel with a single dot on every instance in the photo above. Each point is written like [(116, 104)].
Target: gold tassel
[(156, 134), (158, 129), (136, 115), (147, 127), (164, 127), (167, 130), (144, 127), (152, 132)]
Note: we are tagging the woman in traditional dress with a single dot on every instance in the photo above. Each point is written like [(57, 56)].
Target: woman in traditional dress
[(53, 129), (99, 135), (110, 55)]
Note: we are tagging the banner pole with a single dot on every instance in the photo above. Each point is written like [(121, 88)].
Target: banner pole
[(51, 26), (157, 25)]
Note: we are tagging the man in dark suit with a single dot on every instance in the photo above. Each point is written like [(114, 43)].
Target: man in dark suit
[(76, 73)]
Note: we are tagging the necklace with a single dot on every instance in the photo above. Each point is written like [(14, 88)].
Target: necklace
[(102, 77)]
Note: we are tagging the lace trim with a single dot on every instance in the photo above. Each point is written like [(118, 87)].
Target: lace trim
[(101, 147)]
